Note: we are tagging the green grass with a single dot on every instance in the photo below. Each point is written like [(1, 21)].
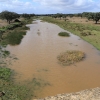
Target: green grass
[(82, 30), (65, 34), (13, 33), (15, 37), (70, 57), (5, 73), (11, 90)]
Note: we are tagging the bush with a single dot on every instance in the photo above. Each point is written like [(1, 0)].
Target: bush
[(24, 28), (70, 57), (15, 37), (64, 34), (86, 33)]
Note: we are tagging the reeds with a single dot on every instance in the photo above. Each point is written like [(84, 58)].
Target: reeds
[(71, 57)]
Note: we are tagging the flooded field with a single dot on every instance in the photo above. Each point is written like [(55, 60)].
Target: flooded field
[(37, 59)]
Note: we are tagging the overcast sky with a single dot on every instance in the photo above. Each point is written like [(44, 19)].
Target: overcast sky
[(50, 6)]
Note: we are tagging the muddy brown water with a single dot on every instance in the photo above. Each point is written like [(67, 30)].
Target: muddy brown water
[(37, 58)]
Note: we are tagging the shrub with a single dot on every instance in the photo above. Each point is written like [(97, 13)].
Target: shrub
[(64, 34), (24, 28), (15, 37), (70, 57), (86, 33)]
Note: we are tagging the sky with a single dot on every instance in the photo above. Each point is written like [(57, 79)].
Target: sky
[(50, 6)]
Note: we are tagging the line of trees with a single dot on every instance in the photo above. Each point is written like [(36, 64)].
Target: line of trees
[(89, 15), (9, 16), (92, 16)]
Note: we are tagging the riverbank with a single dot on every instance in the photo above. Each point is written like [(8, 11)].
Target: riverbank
[(11, 34), (87, 31), (89, 94)]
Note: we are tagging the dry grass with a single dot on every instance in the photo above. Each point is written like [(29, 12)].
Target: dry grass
[(82, 20), (3, 23), (71, 57)]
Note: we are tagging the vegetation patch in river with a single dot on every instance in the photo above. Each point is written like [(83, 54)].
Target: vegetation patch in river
[(71, 57), (64, 34)]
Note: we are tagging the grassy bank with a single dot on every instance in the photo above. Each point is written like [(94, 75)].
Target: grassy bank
[(16, 90), (11, 90), (12, 34), (90, 33)]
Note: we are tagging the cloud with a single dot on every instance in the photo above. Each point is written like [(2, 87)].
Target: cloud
[(50, 6), (4, 0), (68, 5), (15, 5)]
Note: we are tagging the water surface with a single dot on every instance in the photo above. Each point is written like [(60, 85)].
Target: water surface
[(37, 58)]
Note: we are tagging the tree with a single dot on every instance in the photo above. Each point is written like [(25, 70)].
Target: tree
[(54, 16), (90, 16), (25, 15), (71, 15), (64, 16), (59, 15), (96, 17), (93, 16), (9, 16)]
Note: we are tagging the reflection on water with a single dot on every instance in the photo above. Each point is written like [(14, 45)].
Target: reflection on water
[(37, 56)]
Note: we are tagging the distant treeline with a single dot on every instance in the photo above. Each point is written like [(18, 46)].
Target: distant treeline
[(9, 16), (95, 16)]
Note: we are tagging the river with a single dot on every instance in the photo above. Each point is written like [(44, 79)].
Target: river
[(37, 59)]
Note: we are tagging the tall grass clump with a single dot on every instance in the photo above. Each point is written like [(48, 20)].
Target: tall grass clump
[(15, 37), (64, 34), (70, 57)]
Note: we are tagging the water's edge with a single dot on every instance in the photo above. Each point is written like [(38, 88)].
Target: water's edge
[(88, 94)]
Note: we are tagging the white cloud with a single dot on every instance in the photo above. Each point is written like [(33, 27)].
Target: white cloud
[(68, 5), (49, 6), (15, 5)]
